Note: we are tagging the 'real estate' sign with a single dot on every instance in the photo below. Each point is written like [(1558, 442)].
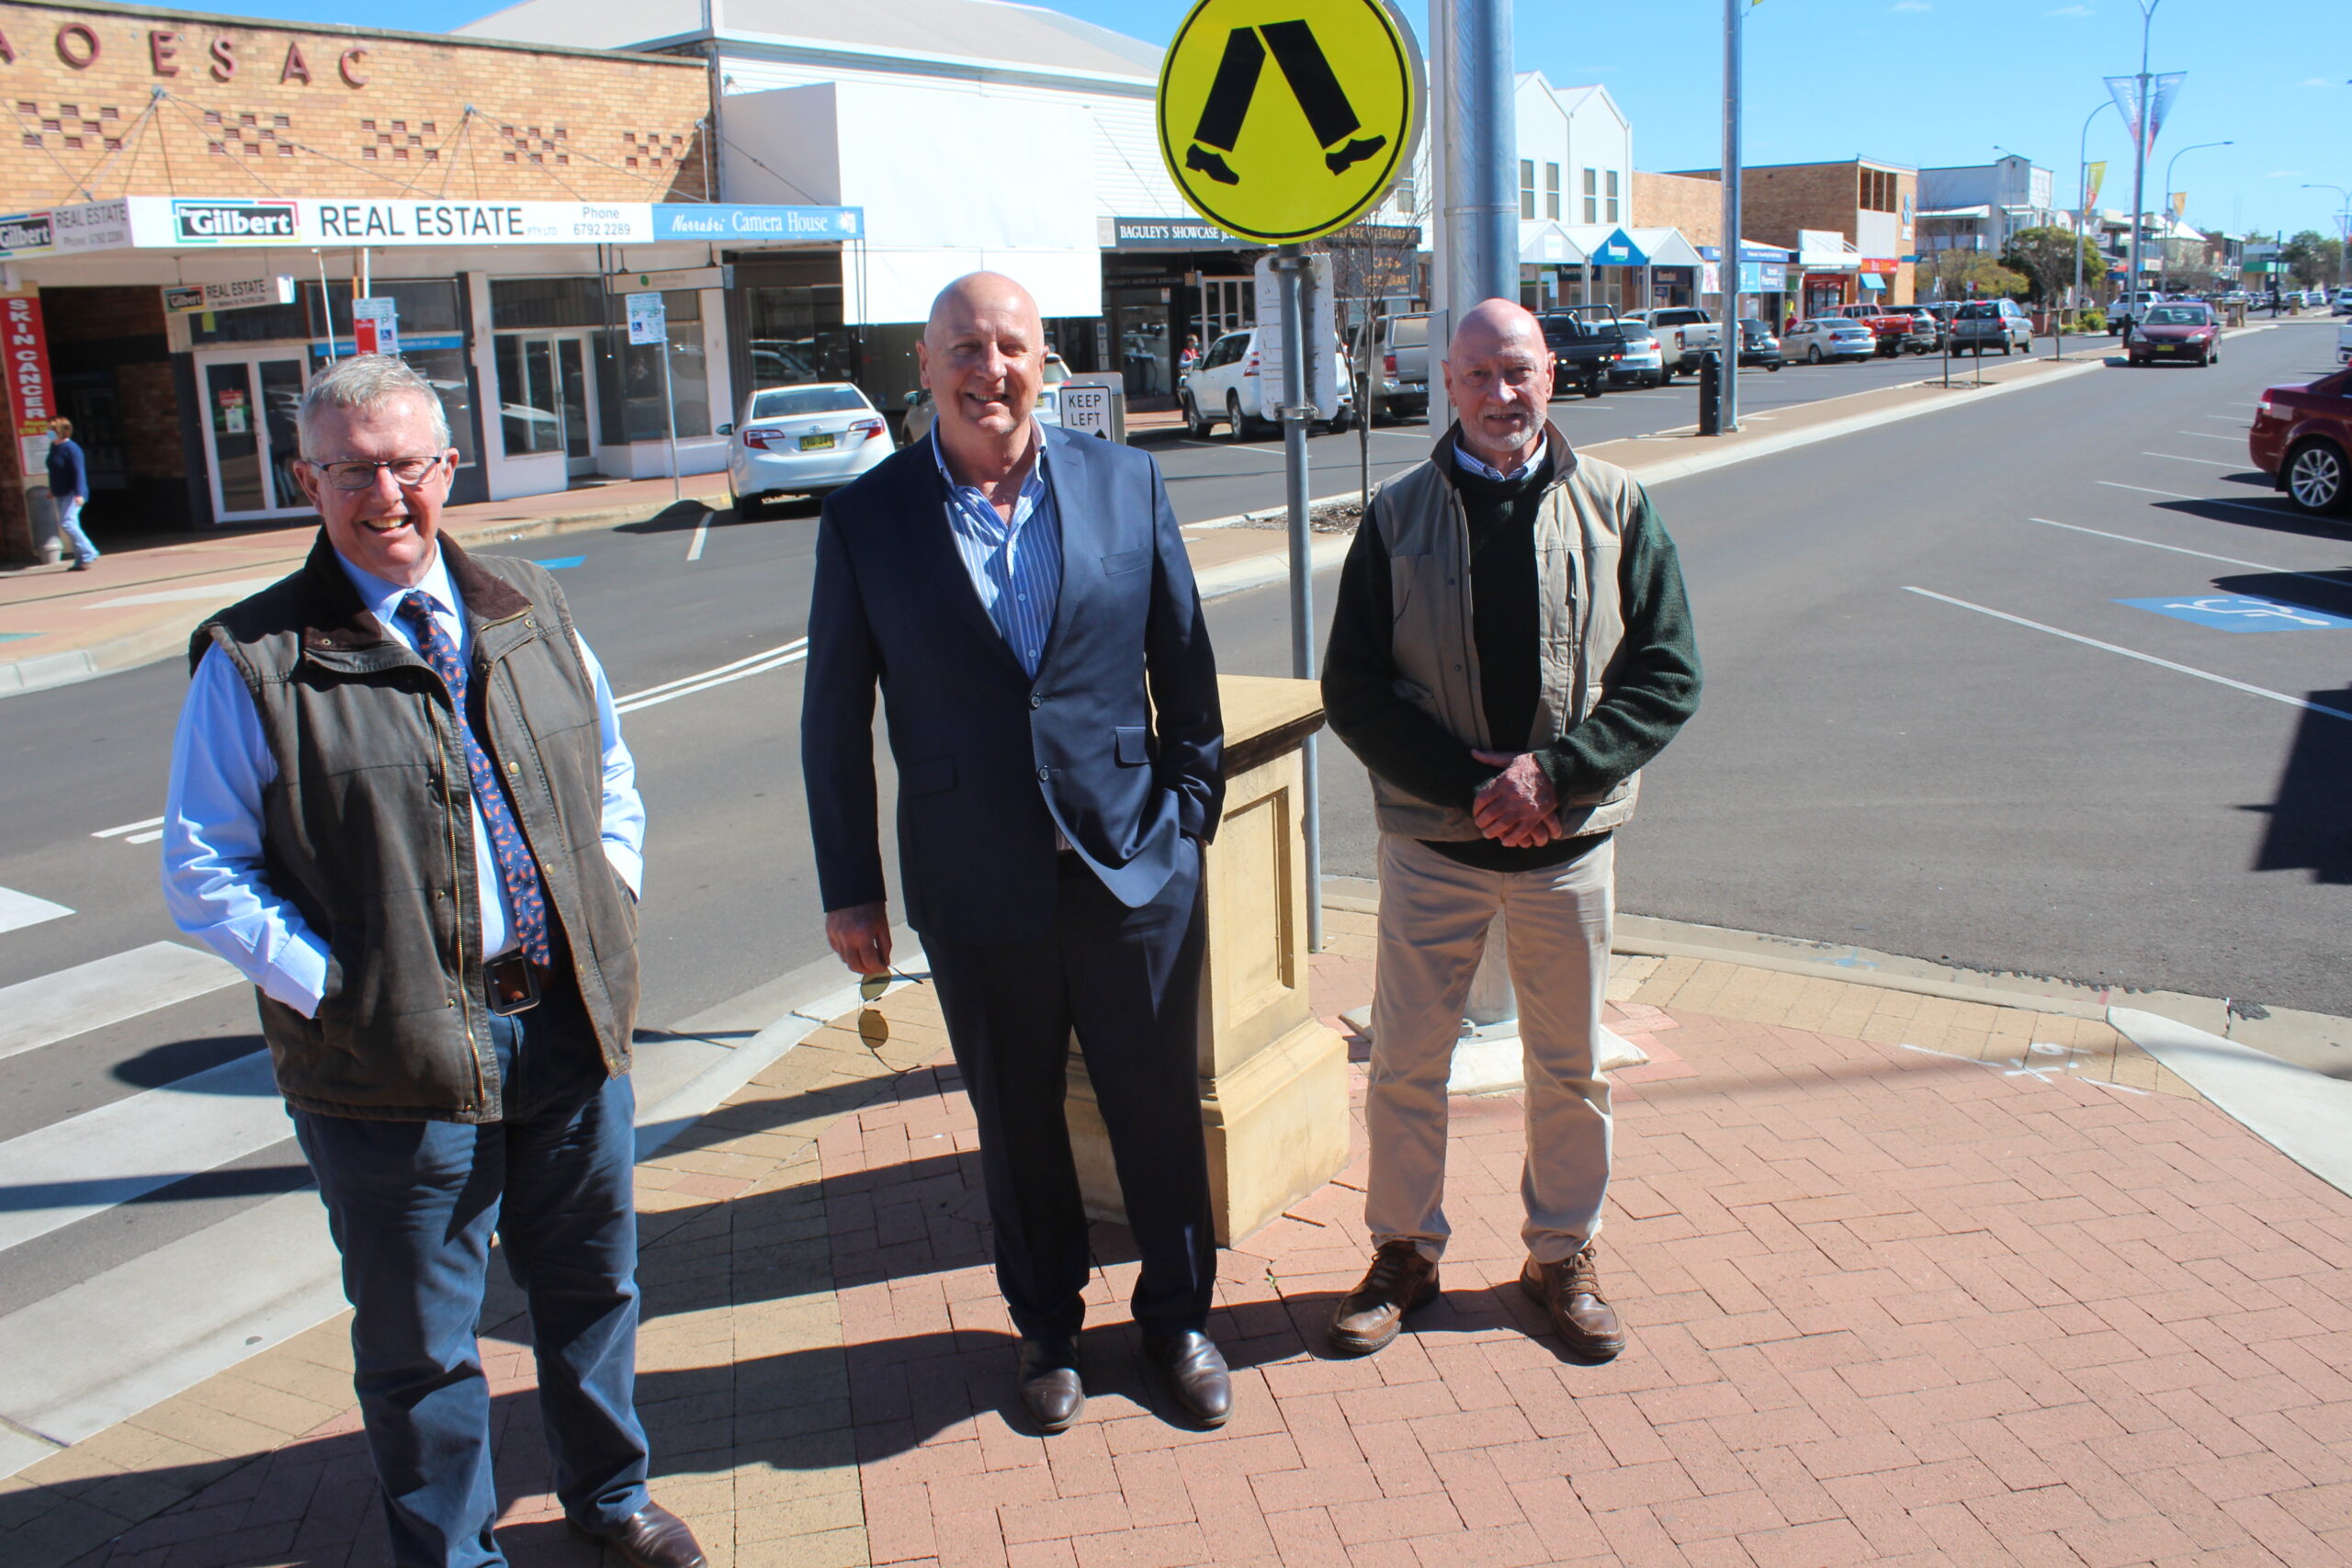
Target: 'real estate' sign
[(162, 222)]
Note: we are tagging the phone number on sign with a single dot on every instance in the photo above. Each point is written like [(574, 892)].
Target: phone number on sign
[(601, 230)]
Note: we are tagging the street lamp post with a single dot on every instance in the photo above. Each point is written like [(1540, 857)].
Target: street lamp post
[(2164, 256), (2343, 229), (2083, 186), (2140, 139)]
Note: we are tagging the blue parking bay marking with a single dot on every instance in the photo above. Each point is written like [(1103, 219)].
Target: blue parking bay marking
[(558, 563), (2231, 612)]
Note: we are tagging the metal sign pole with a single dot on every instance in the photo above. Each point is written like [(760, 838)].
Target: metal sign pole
[(1730, 335), (669, 406), (1292, 263)]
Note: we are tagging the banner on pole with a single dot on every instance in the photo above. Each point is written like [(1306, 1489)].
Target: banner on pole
[(2181, 204), (2091, 190), (2162, 90)]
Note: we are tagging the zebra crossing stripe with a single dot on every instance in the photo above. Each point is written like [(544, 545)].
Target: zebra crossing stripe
[(85, 1165), (18, 910), (58, 1005)]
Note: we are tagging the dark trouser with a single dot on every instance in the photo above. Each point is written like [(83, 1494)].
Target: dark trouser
[(413, 1205), (1129, 981)]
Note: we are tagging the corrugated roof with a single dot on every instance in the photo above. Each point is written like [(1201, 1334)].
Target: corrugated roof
[(992, 30)]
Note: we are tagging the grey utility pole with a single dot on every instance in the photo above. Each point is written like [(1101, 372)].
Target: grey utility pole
[(1478, 226), (2083, 185), (2164, 256), (1294, 267), (1730, 334), (2139, 147)]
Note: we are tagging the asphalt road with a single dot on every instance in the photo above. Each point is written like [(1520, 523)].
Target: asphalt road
[(1871, 764)]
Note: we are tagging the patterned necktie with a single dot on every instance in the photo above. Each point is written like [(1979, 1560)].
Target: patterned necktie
[(516, 870)]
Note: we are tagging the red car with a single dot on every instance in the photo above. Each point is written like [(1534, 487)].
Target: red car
[(2303, 439), (2174, 332)]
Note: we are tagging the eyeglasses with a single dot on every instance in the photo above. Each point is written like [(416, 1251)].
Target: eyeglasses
[(360, 474)]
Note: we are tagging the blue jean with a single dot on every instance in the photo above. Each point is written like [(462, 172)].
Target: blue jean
[(413, 1206), (69, 528)]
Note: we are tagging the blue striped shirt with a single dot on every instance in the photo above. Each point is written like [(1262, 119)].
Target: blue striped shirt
[(1016, 565)]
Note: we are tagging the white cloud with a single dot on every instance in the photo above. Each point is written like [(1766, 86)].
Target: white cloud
[(2069, 11), (1911, 5), (2284, 175), (2315, 82)]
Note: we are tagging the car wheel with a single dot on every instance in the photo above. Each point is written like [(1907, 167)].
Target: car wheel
[(2315, 475), (1194, 425), (1773, 366), (1239, 430), (1812, 353), (1592, 386), (748, 508)]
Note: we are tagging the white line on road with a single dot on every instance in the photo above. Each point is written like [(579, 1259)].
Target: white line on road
[(85, 1165), (128, 828), (688, 686), (2178, 458), (2203, 555), (50, 1008), (2205, 500), (18, 910), (2302, 703), (702, 532), (149, 837), (2208, 435)]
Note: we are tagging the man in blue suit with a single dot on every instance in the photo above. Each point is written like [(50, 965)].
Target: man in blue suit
[(1022, 598)]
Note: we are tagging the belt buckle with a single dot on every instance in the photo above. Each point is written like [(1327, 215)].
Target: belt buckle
[(510, 986)]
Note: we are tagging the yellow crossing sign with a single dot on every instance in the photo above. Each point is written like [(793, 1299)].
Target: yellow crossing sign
[(1312, 145)]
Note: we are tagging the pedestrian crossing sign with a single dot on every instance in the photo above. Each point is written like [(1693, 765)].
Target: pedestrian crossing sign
[(1311, 145)]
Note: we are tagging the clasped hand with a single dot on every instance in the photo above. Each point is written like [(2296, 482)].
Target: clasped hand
[(1516, 807)]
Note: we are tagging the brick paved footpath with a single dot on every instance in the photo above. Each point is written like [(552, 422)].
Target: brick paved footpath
[(1908, 1280)]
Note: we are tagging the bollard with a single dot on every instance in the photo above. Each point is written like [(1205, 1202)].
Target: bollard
[(1710, 392)]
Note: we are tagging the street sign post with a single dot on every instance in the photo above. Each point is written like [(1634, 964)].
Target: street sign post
[(375, 326), (1085, 410), (648, 323), (1282, 157)]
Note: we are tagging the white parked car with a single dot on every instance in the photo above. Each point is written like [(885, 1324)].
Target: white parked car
[(802, 441), (1641, 364), (1227, 385), (1828, 337), (2342, 306)]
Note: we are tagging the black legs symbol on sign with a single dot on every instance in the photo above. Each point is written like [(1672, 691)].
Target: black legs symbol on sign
[(1319, 93)]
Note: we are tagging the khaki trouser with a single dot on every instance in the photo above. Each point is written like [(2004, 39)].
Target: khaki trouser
[(1433, 918)]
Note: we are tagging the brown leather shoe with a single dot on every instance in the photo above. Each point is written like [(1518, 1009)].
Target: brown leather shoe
[(1051, 1389), (1570, 1291), (1197, 1372), (1402, 1279), (653, 1537)]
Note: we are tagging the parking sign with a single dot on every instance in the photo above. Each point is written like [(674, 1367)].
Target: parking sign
[(649, 319)]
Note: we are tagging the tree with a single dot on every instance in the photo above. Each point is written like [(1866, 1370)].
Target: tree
[(2313, 258), (2045, 255), (1972, 275)]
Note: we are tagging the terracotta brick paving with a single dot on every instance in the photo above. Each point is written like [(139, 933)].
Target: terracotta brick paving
[(1974, 1304)]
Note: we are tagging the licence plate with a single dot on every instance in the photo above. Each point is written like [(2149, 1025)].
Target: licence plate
[(816, 443)]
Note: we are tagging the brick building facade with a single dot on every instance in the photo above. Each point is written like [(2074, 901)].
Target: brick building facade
[(1869, 206), (501, 196)]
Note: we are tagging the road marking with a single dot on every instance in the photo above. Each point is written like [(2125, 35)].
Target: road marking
[(2178, 458), (702, 532), (563, 563), (2239, 614), (128, 828), (688, 686), (2237, 420), (2337, 582), (2302, 703), (18, 910), (2204, 500), (50, 1008), (85, 1165), (2208, 435)]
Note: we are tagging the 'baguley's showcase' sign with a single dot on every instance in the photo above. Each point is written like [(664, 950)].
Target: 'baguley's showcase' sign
[(164, 222)]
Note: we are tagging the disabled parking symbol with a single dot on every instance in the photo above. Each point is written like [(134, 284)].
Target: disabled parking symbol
[(2238, 613), (1285, 157)]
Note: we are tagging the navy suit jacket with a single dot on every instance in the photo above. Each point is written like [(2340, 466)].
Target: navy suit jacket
[(1117, 741)]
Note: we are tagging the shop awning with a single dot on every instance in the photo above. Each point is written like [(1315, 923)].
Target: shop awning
[(1606, 245), (1872, 283), (1546, 243)]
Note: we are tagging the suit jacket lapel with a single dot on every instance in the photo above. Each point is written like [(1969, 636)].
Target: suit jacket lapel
[(933, 546), (1072, 478)]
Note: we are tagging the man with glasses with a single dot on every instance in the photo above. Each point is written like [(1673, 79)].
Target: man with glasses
[(400, 802)]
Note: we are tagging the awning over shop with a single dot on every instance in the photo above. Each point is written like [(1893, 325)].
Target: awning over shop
[(1665, 247), (1872, 283), (1604, 245), (1544, 244)]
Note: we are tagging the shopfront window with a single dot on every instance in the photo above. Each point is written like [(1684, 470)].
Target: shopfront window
[(530, 406), (629, 378), (796, 334), (523, 304)]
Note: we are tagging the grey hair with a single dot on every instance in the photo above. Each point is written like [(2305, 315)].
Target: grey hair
[(366, 382)]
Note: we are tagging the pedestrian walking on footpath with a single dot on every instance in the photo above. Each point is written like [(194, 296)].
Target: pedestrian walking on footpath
[(1509, 646), (399, 802), (69, 487), (1024, 600)]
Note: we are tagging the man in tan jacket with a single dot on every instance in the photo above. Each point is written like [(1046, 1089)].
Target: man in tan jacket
[(1511, 645)]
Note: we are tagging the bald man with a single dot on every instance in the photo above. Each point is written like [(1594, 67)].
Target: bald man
[(1022, 599), (1511, 645)]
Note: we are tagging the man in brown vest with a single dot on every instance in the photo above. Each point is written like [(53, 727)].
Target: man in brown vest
[(400, 802), (1511, 645)]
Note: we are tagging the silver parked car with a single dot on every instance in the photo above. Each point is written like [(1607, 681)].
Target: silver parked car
[(802, 441), (1828, 337), (1981, 324)]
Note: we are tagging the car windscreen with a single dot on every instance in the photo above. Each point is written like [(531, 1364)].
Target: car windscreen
[(1979, 310), (790, 402), (2178, 316)]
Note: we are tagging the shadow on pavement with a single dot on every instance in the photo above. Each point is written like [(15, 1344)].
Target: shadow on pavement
[(2311, 815)]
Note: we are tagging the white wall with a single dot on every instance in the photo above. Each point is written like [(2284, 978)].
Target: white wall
[(926, 159)]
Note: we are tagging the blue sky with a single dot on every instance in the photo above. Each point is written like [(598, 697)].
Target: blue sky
[(1921, 82)]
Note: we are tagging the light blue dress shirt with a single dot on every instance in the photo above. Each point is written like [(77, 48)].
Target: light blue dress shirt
[(1016, 565), (1485, 470), (215, 881)]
